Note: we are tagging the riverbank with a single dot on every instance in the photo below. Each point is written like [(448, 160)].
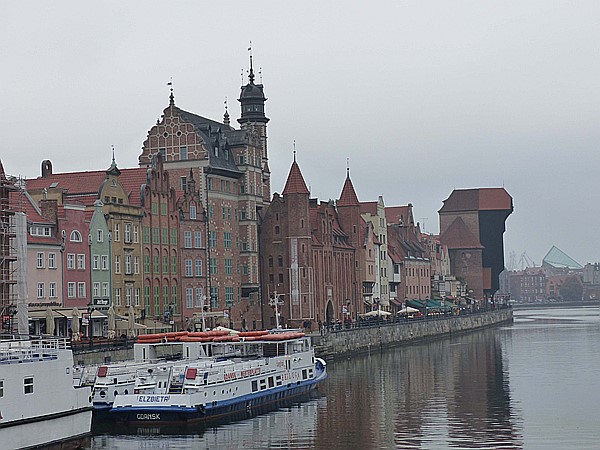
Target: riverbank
[(342, 343), (556, 304), (335, 344)]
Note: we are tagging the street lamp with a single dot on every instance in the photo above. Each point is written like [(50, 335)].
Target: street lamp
[(90, 308)]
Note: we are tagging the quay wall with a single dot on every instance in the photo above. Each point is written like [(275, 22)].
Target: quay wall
[(345, 342)]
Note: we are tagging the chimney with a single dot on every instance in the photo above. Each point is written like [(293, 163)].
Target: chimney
[(49, 210)]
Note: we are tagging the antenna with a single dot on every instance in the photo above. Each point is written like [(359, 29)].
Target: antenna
[(294, 144), (260, 74), (348, 167), (423, 219)]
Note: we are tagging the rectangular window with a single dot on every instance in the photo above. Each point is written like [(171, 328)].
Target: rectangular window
[(104, 290), (183, 183), (189, 297), (193, 212), (174, 265), (166, 295), (212, 239), (40, 290), (118, 296), (127, 234), (51, 260), (228, 266), (229, 296), (163, 209), (52, 290), (154, 208), (183, 153), (224, 212), (96, 290), (128, 292), (165, 236), (95, 262), (146, 264), (136, 234), (146, 235), (1, 388), (174, 298), (40, 260), (81, 289), (117, 232), (128, 265), (155, 235), (156, 264), (81, 261), (214, 297), (213, 266), (165, 264), (197, 239), (227, 239), (104, 262), (198, 267), (100, 235), (117, 264), (71, 261), (209, 183), (28, 385), (147, 299), (188, 268), (187, 239), (174, 232), (136, 265), (71, 289), (136, 296)]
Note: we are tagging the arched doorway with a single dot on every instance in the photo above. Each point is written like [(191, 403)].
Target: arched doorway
[(329, 312)]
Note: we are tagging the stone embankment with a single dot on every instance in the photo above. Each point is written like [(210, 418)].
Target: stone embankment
[(345, 342)]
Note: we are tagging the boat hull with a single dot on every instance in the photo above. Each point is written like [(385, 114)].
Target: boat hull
[(163, 415), (59, 431)]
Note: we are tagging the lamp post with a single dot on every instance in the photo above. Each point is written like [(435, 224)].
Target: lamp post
[(202, 306), (90, 308)]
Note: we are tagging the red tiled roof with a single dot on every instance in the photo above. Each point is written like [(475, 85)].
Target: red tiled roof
[(393, 214), (368, 207), (348, 196), (84, 186), (295, 182), (20, 202), (484, 199), (458, 235)]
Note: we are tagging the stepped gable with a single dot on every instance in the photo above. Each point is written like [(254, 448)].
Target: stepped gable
[(348, 196), (295, 182), (458, 235)]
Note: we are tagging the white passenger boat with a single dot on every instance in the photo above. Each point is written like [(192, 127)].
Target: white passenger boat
[(244, 371), (39, 406)]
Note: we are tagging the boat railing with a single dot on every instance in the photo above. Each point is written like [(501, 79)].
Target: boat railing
[(15, 348)]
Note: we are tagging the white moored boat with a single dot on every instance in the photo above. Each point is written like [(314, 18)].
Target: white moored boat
[(39, 406), (245, 371)]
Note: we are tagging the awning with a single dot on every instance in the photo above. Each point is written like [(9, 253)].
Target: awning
[(396, 302)]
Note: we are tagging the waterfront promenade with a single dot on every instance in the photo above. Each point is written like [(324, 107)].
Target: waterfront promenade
[(337, 341)]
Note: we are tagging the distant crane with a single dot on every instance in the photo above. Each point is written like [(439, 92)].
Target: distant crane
[(524, 261)]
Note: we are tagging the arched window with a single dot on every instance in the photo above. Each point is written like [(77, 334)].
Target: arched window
[(75, 236)]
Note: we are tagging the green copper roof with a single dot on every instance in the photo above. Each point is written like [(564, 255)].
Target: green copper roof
[(556, 258)]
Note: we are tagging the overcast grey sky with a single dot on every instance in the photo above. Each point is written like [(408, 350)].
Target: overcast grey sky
[(422, 97)]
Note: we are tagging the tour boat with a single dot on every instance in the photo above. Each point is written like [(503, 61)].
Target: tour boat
[(39, 406), (243, 371)]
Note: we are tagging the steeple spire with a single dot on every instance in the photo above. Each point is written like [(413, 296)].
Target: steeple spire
[(348, 196), (226, 115), (295, 182), (251, 75)]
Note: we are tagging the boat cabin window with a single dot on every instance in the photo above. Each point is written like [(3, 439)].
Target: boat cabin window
[(271, 382), (1, 388), (28, 385), (304, 374), (254, 386)]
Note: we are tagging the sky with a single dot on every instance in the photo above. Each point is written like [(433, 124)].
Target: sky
[(417, 97)]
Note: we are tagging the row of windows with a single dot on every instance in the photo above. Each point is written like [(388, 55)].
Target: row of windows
[(159, 235), (196, 241), (160, 265), (76, 289), (52, 290), (130, 233), (27, 386)]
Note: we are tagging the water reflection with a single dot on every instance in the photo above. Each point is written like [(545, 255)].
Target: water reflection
[(527, 385), (447, 393)]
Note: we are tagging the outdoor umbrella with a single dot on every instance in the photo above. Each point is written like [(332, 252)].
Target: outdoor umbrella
[(376, 313), (75, 315), (112, 322), (131, 322), (49, 321), (408, 310)]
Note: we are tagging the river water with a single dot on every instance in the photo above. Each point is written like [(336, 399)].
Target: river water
[(529, 385)]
